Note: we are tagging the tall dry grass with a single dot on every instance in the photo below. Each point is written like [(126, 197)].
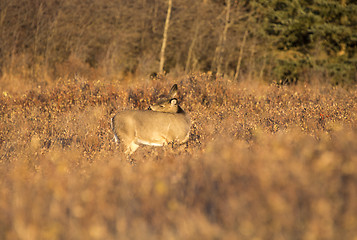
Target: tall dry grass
[(263, 162)]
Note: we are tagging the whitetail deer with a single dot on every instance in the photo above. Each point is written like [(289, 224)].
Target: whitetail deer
[(165, 122)]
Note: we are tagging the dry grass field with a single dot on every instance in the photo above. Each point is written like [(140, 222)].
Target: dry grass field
[(263, 162)]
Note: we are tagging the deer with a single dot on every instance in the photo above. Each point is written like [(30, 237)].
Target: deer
[(163, 123)]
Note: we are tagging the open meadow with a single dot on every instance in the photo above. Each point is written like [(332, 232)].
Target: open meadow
[(263, 162)]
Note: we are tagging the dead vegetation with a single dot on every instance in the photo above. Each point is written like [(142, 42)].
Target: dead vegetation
[(263, 162)]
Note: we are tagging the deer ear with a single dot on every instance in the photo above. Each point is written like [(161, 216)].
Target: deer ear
[(173, 101), (173, 91)]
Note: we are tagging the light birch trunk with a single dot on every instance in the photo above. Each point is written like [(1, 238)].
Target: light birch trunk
[(164, 40), (240, 56), (190, 50)]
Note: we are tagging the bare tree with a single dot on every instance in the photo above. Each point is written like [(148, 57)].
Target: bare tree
[(192, 45), (164, 40), (223, 38), (240, 55)]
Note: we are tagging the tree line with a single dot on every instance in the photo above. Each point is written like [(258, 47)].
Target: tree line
[(280, 40)]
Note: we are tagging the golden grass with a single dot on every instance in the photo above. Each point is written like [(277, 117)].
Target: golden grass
[(263, 162)]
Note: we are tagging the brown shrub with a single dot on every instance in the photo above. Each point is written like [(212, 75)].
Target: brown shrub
[(263, 162)]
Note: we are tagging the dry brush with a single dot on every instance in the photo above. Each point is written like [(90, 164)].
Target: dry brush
[(263, 162)]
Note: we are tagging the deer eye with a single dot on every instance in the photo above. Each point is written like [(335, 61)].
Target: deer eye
[(173, 101)]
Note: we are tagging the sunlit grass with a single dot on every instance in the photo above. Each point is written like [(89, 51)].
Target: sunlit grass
[(263, 162)]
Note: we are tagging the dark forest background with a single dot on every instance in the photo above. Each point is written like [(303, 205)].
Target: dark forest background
[(286, 41)]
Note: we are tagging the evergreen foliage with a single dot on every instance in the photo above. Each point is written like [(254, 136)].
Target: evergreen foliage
[(309, 37)]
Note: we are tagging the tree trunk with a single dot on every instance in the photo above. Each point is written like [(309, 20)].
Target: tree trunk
[(189, 55), (251, 61), (224, 38), (261, 74), (240, 55), (164, 40)]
